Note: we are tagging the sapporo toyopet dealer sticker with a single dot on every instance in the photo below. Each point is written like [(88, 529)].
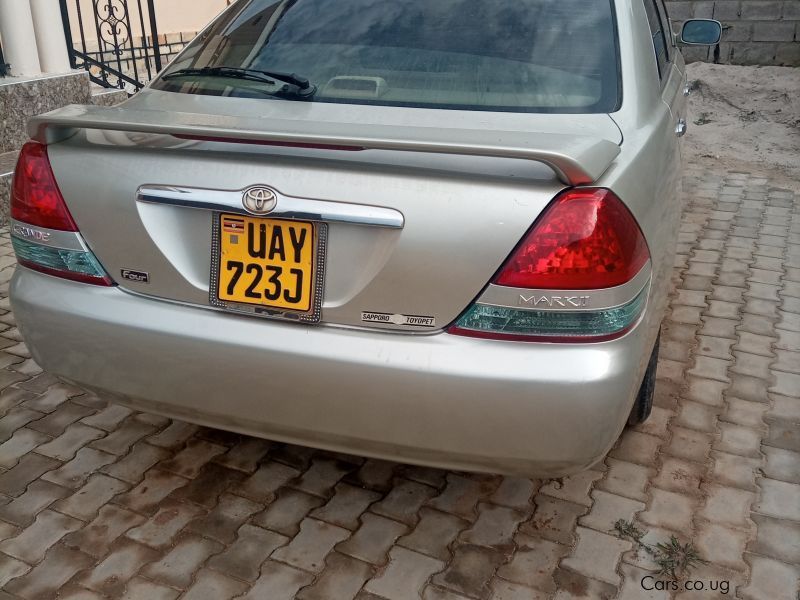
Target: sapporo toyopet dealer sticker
[(407, 320)]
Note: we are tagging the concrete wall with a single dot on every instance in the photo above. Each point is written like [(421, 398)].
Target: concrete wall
[(22, 98), (756, 32)]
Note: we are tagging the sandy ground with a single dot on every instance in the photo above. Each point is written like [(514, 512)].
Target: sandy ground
[(747, 118)]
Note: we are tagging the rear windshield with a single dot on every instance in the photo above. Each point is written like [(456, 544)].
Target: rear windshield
[(494, 55)]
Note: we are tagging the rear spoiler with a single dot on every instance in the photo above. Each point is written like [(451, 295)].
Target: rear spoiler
[(575, 159)]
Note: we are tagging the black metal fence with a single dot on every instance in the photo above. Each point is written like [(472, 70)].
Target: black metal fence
[(118, 48)]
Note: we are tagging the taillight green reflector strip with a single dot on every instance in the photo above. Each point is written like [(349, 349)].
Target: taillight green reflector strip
[(487, 319), (58, 259)]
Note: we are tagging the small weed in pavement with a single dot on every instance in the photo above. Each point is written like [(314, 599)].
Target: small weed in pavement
[(673, 558)]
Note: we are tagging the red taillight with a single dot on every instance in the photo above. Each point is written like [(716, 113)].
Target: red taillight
[(586, 239), (35, 197), (44, 235)]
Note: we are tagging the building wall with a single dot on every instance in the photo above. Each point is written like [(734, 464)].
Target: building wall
[(756, 32)]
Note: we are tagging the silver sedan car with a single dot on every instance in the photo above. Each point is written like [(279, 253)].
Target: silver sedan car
[(434, 232)]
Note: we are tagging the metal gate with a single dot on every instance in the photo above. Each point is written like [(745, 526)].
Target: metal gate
[(116, 41)]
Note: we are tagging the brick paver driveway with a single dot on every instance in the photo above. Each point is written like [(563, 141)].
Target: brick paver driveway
[(97, 501)]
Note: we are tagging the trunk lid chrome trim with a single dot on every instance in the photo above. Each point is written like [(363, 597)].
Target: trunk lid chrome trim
[(288, 207)]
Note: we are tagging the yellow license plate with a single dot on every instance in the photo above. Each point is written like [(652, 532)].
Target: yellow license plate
[(266, 262)]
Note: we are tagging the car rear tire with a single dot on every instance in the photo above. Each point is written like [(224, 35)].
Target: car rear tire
[(644, 400)]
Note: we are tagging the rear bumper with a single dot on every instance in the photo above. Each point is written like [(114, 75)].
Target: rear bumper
[(441, 400)]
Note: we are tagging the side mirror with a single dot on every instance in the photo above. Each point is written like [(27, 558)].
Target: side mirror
[(701, 32)]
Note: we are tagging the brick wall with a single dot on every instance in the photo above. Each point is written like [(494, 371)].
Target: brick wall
[(756, 32)]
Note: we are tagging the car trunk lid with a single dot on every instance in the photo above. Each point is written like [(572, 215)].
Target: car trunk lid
[(464, 196)]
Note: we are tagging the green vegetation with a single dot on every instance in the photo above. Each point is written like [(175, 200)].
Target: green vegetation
[(673, 558)]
